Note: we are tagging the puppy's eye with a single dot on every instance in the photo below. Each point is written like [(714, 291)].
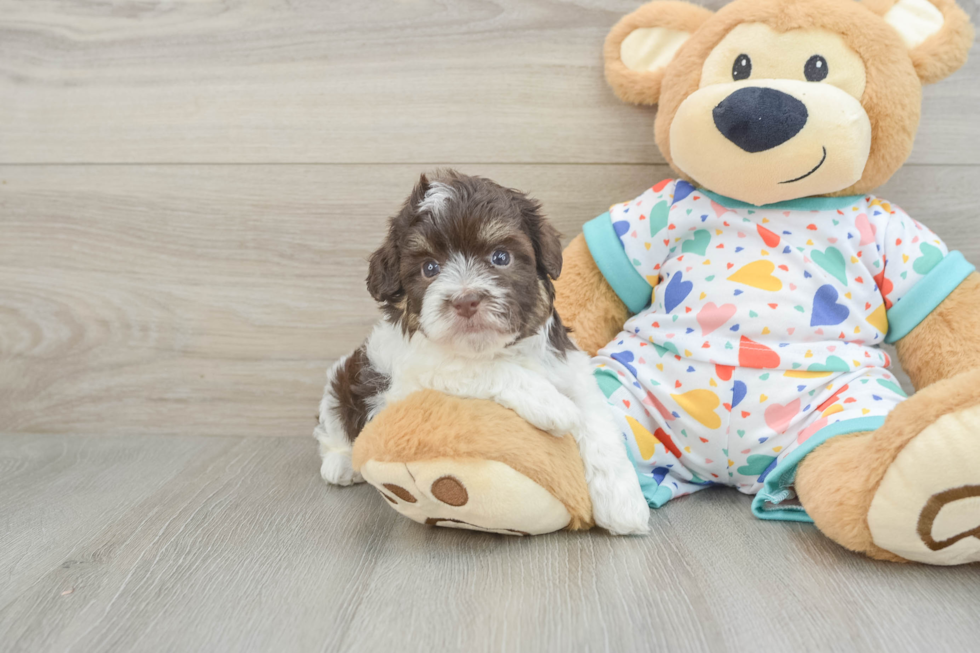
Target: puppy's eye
[(742, 67), (501, 258), (430, 269), (815, 69)]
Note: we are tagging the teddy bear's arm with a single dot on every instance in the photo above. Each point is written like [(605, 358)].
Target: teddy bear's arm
[(947, 342), (585, 300)]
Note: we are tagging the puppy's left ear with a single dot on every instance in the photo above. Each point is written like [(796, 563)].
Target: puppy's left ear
[(544, 237), (937, 34)]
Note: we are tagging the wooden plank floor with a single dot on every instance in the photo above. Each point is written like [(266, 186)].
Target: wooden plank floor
[(174, 543), (188, 194)]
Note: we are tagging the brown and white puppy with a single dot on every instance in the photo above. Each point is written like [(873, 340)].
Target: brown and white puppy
[(464, 279)]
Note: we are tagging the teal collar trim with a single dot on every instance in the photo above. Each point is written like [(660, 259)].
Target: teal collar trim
[(611, 259), (779, 484), (801, 204), (923, 298)]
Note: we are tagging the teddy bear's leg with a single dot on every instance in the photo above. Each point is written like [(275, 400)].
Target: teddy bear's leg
[(467, 463), (909, 490)]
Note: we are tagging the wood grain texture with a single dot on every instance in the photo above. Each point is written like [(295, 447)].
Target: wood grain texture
[(234, 544), (485, 81), (210, 299), (206, 299)]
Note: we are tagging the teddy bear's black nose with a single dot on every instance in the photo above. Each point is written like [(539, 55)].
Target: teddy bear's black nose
[(758, 119)]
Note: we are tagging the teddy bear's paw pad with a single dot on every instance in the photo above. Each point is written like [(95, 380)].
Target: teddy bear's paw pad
[(927, 507), (474, 494)]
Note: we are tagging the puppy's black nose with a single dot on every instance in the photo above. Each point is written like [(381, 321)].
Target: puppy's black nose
[(758, 119), (466, 305)]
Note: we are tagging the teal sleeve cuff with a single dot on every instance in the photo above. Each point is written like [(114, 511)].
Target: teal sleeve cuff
[(923, 298), (610, 257)]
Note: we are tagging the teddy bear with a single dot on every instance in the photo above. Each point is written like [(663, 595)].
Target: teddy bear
[(735, 312)]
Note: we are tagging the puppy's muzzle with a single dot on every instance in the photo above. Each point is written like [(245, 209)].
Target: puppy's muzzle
[(758, 119)]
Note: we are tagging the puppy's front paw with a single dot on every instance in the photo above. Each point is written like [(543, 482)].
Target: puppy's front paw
[(336, 469), (555, 425), (558, 416), (618, 506)]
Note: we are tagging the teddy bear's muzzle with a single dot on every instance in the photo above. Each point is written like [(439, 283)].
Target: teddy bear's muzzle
[(771, 140)]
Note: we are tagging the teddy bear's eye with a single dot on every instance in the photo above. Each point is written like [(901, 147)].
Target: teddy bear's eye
[(815, 69), (742, 67)]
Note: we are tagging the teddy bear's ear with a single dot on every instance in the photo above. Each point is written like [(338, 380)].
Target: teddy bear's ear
[(641, 45), (937, 33)]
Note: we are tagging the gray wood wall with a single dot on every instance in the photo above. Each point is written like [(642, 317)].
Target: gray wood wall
[(189, 190)]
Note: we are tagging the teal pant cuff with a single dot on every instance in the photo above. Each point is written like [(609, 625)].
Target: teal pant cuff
[(772, 500), (655, 495)]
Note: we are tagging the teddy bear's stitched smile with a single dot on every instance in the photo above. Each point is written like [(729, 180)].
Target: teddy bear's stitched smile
[(824, 158)]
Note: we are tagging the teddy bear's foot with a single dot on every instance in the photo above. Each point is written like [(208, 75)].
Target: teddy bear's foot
[(909, 491), (468, 463), (927, 507), (479, 495)]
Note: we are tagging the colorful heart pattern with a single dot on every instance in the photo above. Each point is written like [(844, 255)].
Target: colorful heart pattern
[(744, 441), (930, 258), (832, 261), (658, 217), (701, 405), (676, 291), (826, 311), (758, 274), (779, 417), (698, 244), (756, 355), (763, 328), (712, 316), (866, 230)]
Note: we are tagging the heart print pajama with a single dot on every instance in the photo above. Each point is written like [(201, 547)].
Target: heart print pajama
[(756, 331)]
